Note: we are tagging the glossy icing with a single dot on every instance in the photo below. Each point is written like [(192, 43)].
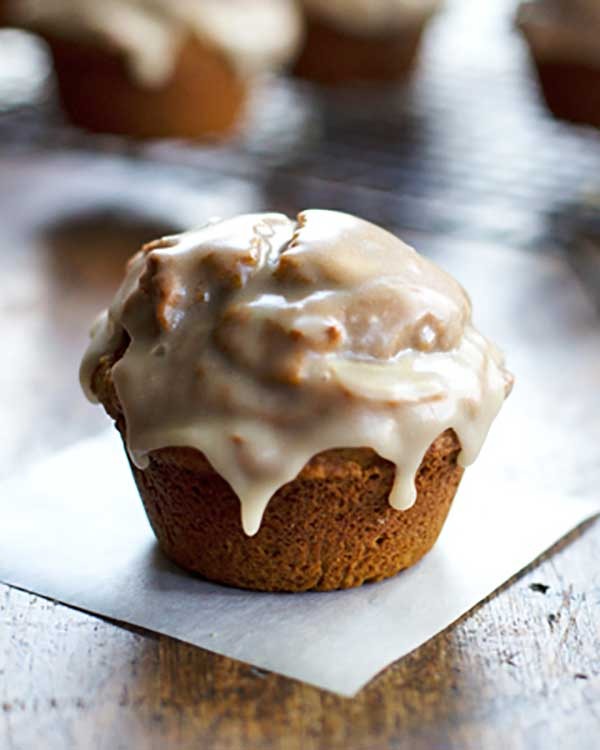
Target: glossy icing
[(262, 341)]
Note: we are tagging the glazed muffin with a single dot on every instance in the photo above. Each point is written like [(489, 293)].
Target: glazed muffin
[(564, 41), (297, 398), (362, 40), (161, 68)]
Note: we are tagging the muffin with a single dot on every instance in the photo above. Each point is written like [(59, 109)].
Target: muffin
[(297, 398), (362, 40), (161, 68), (564, 41)]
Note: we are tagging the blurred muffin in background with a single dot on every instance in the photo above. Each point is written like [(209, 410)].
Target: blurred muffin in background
[(564, 40), (362, 40), (161, 68)]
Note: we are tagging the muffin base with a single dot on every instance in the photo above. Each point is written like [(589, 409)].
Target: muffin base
[(571, 90), (332, 56), (203, 97), (330, 528)]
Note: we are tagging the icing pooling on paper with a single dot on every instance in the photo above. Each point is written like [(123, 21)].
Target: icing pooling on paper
[(367, 17), (255, 35), (262, 341)]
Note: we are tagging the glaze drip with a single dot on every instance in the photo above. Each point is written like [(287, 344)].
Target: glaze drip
[(262, 341)]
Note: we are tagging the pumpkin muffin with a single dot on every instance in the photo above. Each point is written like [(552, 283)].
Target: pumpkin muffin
[(362, 40), (564, 41), (161, 68), (297, 398)]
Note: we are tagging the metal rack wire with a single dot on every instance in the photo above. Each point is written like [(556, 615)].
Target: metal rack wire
[(465, 148)]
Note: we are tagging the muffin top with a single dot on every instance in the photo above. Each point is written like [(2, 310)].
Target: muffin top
[(255, 35), (262, 341), (372, 16)]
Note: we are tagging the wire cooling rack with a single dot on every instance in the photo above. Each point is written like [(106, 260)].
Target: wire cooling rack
[(466, 148)]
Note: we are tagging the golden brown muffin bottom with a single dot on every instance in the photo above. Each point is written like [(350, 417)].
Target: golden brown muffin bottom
[(332, 56), (203, 97), (571, 90), (330, 528)]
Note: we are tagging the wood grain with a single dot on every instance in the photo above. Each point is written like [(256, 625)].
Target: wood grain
[(521, 671)]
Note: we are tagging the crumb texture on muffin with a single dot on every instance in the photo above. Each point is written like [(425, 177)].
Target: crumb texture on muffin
[(331, 528), (261, 342)]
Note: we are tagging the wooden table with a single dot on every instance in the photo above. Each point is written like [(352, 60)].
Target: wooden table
[(521, 671)]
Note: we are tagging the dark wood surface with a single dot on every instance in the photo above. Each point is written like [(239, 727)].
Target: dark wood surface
[(521, 671)]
